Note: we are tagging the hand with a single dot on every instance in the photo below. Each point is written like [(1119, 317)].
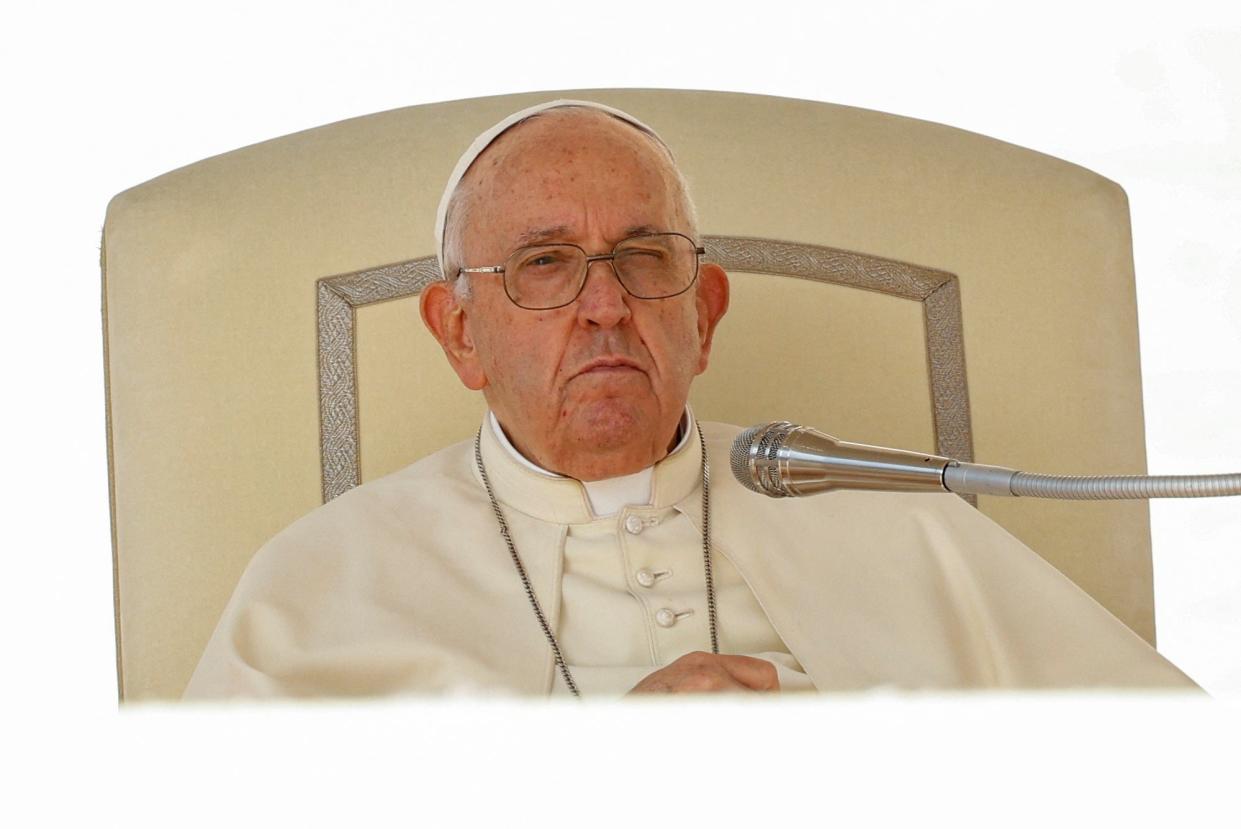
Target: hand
[(701, 673)]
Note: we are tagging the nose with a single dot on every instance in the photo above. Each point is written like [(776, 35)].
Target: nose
[(603, 301)]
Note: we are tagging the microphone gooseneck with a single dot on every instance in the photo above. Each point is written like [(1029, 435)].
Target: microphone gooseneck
[(782, 459), (1125, 487)]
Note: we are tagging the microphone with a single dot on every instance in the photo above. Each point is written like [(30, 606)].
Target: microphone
[(782, 459)]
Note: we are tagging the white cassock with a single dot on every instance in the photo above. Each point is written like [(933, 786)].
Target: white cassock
[(404, 585)]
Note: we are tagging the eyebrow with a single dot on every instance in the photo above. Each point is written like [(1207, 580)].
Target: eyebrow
[(537, 236), (641, 230)]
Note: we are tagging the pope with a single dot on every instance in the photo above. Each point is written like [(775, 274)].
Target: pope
[(584, 541)]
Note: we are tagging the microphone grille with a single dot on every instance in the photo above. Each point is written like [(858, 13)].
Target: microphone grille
[(739, 457), (755, 457)]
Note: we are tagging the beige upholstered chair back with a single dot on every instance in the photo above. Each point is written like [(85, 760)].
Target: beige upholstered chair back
[(949, 292)]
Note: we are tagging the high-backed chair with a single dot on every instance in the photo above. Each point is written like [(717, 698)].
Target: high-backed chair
[(950, 292)]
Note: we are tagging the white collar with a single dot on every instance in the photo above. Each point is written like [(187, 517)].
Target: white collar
[(610, 495)]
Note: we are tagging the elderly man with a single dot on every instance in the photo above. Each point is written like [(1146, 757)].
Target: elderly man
[(580, 544)]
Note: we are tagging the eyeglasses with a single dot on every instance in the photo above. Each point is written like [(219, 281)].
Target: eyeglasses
[(654, 266)]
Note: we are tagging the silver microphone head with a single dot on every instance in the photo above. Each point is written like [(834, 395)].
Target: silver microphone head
[(739, 457), (754, 457), (783, 460)]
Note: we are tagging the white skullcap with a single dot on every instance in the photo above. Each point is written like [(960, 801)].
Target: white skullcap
[(489, 135)]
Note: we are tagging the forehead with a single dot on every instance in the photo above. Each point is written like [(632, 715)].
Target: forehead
[(573, 172)]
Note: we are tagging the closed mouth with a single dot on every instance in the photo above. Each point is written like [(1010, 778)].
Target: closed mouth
[(608, 365)]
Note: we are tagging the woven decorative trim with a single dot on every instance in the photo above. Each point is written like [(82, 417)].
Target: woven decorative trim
[(839, 267), (338, 297), (938, 291)]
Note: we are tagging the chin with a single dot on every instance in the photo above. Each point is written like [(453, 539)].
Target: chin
[(611, 425)]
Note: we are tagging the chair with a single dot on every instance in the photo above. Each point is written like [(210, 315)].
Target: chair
[(948, 292)]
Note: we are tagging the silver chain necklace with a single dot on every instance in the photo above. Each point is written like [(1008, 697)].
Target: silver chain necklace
[(525, 580)]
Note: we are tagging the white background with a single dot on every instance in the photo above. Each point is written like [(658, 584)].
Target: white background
[(99, 97)]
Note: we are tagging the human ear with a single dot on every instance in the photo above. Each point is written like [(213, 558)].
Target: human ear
[(711, 298), (446, 317)]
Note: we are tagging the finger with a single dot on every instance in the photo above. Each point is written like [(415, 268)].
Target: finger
[(702, 679), (754, 673), (701, 672), (748, 671)]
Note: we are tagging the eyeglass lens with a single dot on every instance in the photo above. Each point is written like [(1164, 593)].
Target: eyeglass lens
[(650, 267)]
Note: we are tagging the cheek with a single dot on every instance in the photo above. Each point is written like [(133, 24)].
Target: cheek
[(678, 348), (520, 356)]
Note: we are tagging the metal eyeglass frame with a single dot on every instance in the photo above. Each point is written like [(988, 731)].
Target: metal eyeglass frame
[(591, 259)]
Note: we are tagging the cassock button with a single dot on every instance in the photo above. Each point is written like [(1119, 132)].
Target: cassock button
[(647, 577), (666, 618), (633, 524)]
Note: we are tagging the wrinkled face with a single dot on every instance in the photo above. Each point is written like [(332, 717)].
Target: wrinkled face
[(596, 388)]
